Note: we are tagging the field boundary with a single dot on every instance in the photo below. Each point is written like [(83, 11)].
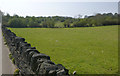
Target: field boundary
[(29, 60)]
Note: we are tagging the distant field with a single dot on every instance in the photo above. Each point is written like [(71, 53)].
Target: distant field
[(88, 50)]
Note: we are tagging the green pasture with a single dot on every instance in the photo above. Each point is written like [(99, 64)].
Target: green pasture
[(86, 50)]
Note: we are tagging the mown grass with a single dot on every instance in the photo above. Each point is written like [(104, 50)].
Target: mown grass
[(88, 50)]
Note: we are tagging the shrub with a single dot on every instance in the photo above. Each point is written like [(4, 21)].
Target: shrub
[(13, 60), (16, 72), (10, 56)]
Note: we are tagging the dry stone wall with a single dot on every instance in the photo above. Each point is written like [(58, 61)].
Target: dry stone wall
[(0, 17), (29, 60)]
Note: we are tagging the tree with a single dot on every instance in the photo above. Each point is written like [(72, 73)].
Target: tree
[(32, 23), (15, 16), (16, 23), (80, 23), (48, 23), (67, 23)]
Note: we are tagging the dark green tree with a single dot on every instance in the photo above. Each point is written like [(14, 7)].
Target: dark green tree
[(17, 23)]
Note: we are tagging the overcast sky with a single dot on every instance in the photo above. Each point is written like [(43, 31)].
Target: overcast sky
[(58, 7)]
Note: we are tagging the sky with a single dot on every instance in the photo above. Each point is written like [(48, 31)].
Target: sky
[(58, 7)]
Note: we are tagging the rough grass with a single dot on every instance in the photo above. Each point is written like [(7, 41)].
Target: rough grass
[(89, 50)]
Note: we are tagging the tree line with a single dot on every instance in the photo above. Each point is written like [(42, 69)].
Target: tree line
[(16, 21)]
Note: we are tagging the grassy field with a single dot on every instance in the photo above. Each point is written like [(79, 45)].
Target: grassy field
[(88, 50)]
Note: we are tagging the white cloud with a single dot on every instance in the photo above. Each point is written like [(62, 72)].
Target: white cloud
[(19, 1), (73, 0), (33, 7)]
